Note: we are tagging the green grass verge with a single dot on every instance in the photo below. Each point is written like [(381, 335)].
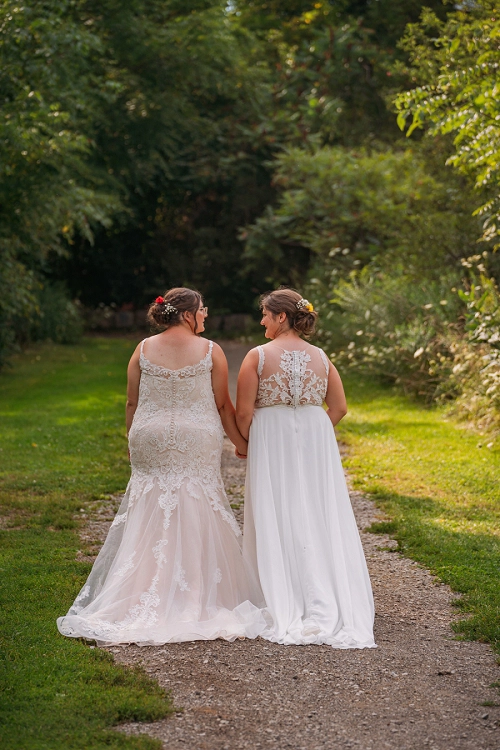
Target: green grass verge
[(439, 483), (62, 445)]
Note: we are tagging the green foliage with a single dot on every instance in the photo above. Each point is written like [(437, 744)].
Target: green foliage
[(59, 318), (340, 210), (395, 329), (455, 62), (48, 189), (439, 484), (331, 66), (17, 293), (138, 138), (476, 371), (63, 447), (433, 340), (116, 113), (377, 239)]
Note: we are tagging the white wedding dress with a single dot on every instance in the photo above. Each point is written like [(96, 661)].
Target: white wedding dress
[(171, 568), (300, 534)]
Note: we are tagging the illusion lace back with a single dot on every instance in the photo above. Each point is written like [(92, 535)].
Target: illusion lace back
[(171, 568), (300, 534), (292, 378)]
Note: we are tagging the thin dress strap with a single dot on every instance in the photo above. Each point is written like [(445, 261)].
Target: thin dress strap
[(262, 357), (210, 347), (142, 346), (326, 362)]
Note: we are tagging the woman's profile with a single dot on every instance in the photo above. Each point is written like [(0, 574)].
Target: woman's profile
[(300, 535), (171, 568)]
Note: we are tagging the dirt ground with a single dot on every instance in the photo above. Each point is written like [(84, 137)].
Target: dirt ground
[(419, 690)]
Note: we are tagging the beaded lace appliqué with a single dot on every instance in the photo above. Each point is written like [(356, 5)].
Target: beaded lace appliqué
[(175, 445), (295, 384)]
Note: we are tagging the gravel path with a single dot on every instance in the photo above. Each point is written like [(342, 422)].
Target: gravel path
[(420, 689)]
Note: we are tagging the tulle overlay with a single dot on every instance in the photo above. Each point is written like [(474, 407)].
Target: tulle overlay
[(300, 534), (171, 567)]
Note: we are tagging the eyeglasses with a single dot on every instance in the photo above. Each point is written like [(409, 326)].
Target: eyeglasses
[(204, 310)]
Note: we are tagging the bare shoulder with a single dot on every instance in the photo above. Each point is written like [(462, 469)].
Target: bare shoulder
[(217, 350), (252, 357), (215, 346), (137, 350), (322, 352), (134, 365)]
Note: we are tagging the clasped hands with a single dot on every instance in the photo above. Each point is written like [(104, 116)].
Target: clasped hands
[(241, 453)]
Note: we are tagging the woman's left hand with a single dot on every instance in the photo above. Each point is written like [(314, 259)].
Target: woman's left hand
[(238, 454)]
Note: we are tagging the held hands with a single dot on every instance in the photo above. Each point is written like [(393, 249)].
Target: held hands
[(241, 448)]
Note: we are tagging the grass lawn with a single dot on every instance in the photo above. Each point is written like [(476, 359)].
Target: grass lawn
[(439, 483), (62, 444)]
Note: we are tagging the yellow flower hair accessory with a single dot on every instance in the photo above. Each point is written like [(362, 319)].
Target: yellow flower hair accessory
[(304, 304)]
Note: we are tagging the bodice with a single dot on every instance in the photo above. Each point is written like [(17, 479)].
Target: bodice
[(188, 389), (296, 379), (176, 426)]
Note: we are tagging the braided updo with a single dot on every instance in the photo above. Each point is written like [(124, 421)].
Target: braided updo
[(175, 302), (285, 300)]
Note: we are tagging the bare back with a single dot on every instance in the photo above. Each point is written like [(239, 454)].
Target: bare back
[(174, 350)]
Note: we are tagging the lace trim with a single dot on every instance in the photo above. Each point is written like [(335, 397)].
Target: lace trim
[(119, 519), (204, 486), (127, 565), (326, 362), (261, 361), (180, 578), (77, 605)]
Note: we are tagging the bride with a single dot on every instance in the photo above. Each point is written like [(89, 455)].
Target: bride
[(171, 568), (300, 535)]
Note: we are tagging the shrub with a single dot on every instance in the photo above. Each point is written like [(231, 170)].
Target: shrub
[(390, 327), (46, 313), (434, 341), (476, 371), (59, 318)]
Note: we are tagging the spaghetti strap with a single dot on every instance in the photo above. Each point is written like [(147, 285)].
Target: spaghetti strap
[(142, 346), (261, 361)]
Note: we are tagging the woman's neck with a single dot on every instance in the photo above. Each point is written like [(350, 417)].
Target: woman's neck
[(287, 336), (182, 331)]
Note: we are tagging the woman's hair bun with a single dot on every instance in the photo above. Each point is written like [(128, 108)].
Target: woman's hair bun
[(167, 310), (305, 322), (300, 317)]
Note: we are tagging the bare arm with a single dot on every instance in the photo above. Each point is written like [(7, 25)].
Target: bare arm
[(335, 397), (248, 385), (223, 400), (133, 379)]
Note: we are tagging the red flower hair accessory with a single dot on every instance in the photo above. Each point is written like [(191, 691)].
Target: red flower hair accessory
[(159, 300)]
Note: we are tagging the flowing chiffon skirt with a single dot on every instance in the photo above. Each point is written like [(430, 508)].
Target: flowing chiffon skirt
[(300, 534)]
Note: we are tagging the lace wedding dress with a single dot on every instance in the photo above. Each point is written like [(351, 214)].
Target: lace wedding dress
[(171, 568), (300, 534)]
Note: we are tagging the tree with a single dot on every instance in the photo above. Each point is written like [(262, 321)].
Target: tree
[(341, 209), (456, 64)]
